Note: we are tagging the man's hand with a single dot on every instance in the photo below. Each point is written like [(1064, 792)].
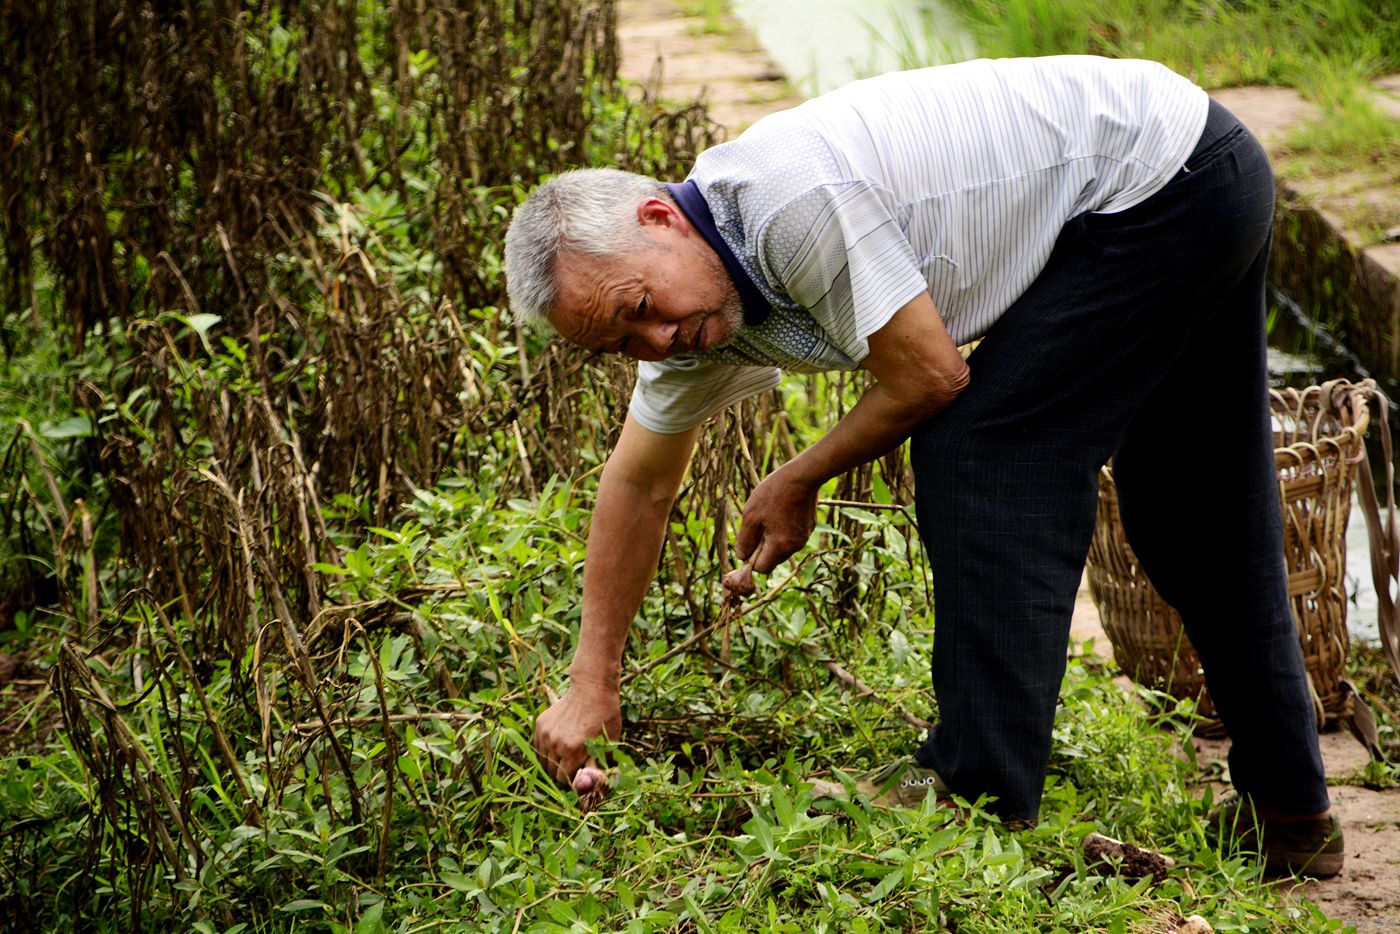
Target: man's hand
[(562, 732), (778, 519)]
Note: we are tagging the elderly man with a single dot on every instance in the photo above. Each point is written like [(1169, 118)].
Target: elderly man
[(1102, 228)]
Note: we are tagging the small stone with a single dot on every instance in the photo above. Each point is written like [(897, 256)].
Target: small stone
[(1195, 924), (1392, 235)]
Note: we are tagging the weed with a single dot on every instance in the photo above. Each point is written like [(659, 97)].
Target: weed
[(711, 13), (1325, 48)]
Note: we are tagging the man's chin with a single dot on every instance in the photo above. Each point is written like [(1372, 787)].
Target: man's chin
[(728, 322), (723, 341)]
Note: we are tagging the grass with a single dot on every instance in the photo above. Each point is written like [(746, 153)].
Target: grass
[(1219, 44), (709, 825), (1327, 49), (713, 16)]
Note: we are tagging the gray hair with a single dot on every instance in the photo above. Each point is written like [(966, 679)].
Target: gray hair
[(592, 211)]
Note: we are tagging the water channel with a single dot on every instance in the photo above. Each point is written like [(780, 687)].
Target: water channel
[(823, 44)]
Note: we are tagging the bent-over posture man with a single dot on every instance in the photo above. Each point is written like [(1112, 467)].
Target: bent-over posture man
[(1103, 228)]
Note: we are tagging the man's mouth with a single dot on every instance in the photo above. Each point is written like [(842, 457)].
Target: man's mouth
[(689, 343)]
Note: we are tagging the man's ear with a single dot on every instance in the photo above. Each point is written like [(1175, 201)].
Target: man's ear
[(658, 212)]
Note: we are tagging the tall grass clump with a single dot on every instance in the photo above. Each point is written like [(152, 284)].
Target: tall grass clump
[(1216, 43)]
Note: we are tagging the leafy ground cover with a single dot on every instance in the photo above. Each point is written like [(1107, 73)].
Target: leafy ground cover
[(278, 666), (445, 633)]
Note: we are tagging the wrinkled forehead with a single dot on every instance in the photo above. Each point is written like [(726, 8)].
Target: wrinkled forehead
[(587, 286)]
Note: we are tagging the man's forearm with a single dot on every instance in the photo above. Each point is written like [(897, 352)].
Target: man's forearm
[(635, 494), (624, 544), (919, 371), (876, 425)]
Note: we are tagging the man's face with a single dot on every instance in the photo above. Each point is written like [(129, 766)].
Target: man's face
[(673, 297)]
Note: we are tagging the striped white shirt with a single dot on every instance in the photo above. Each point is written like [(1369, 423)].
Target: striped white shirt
[(955, 179)]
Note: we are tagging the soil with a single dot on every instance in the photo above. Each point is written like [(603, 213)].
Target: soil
[(720, 61), (1367, 893), (1125, 859)]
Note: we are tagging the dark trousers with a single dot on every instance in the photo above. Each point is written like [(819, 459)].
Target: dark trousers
[(1144, 339)]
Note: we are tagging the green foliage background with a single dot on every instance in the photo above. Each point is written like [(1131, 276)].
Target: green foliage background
[(294, 529)]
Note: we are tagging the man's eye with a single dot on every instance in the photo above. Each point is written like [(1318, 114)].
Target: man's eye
[(642, 308)]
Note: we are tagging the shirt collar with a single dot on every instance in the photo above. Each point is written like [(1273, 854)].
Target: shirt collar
[(693, 206)]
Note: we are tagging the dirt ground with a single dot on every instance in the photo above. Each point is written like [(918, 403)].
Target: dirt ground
[(1367, 893), (741, 83)]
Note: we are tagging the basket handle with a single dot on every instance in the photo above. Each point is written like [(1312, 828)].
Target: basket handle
[(1384, 532)]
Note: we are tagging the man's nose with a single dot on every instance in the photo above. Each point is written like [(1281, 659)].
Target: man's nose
[(659, 335)]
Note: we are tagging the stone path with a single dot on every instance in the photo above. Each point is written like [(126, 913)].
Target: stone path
[(714, 58), (717, 58)]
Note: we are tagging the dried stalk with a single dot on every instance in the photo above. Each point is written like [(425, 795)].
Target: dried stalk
[(730, 612), (863, 690), (389, 766), (192, 681), (74, 667), (297, 649)]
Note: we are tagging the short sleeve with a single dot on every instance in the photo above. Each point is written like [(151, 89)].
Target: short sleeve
[(673, 395), (839, 252)]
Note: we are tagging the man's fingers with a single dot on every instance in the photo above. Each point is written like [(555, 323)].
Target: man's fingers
[(750, 537), (560, 772), (769, 555), (552, 764)]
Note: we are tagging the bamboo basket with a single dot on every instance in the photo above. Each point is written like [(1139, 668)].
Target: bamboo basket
[(1318, 448)]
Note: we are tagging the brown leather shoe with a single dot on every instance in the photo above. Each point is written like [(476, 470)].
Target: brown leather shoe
[(1299, 848)]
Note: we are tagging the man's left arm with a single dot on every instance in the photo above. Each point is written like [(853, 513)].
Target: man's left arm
[(918, 372)]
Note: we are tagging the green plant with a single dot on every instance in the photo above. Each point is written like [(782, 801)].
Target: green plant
[(353, 501)]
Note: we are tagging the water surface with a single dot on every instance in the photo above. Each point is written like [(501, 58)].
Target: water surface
[(823, 44)]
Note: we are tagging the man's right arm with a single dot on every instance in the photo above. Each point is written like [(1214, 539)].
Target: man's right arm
[(635, 494)]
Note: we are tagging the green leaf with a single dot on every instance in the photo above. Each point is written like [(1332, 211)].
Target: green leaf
[(200, 324), (888, 884), (372, 921), (899, 646), (460, 882), (79, 426), (304, 904)]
